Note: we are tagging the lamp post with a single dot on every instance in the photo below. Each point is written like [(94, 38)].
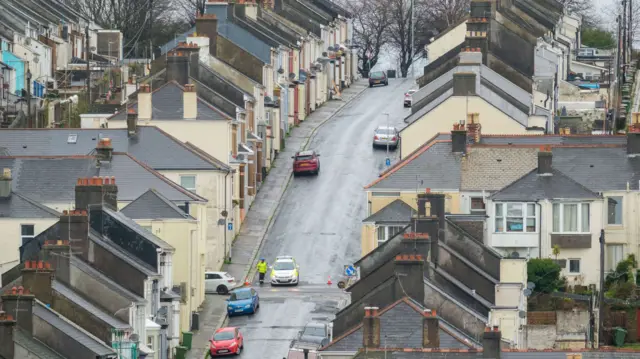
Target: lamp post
[(29, 120)]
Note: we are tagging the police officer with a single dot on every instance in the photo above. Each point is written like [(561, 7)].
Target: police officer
[(262, 269)]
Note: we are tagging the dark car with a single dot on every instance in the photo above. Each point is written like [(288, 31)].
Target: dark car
[(378, 78), (314, 336), (306, 162)]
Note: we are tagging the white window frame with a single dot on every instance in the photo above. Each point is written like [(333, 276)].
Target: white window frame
[(25, 238), (611, 261), (151, 342), (569, 266), (621, 210), (561, 206), (477, 211), (195, 182), (387, 234), (525, 216), (385, 194)]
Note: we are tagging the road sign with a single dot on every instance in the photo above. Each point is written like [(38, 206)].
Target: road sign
[(387, 162), (349, 270), (230, 226)]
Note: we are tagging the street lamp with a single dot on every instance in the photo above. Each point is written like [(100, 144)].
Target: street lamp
[(29, 120)]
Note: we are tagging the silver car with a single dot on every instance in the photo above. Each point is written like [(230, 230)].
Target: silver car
[(386, 136)]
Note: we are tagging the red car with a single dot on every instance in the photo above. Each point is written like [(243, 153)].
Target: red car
[(226, 341), (306, 162)]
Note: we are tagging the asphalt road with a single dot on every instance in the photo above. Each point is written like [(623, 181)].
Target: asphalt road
[(319, 222)]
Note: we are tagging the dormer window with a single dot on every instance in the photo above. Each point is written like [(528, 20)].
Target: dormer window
[(72, 138)]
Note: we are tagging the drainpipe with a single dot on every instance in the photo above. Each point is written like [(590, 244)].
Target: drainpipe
[(226, 254), (539, 229)]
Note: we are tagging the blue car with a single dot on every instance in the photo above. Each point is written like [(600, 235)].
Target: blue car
[(243, 301)]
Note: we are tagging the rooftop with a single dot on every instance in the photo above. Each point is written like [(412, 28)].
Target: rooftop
[(21, 206), (534, 186), (153, 205), (395, 212)]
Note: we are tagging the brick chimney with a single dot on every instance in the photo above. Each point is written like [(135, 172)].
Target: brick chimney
[(18, 303), (37, 276), (633, 136), (132, 122), (5, 183), (7, 325), (96, 191), (58, 254), (371, 328), (430, 329), (416, 243), (545, 160), (207, 25), (471, 56), (190, 102), (145, 107), (491, 343), (478, 26), (459, 138), (409, 269), (104, 151), (431, 220), (178, 65), (473, 127)]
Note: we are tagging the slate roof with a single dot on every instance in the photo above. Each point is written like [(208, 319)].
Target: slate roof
[(108, 282), (397, 353), (20, 206), (88, 306), (153, 205), (136, 263), (53, 179), (534, 186), (168, 104), (432, 166), (73, 331), (34, 346), (151, 145), (395, 212), (131, 224), (401, 326)]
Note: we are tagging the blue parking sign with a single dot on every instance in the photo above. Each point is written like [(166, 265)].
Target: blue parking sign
[(388, 162), (349, 270), (230, 226)]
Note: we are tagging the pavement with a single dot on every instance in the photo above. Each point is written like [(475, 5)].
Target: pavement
[(316, 219)]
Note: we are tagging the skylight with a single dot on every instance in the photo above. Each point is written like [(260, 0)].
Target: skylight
[(73, 138)]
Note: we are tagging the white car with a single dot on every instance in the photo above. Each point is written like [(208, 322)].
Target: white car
[(285, 270), (408, 98), (219, 282)]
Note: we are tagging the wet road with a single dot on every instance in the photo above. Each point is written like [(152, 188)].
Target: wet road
[(319, 222)]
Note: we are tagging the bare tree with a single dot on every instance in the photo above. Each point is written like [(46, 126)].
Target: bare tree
[(189, 9), (400, 30), (446, 13), (370, 25)]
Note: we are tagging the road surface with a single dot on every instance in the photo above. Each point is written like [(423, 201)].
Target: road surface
[(319, 222)]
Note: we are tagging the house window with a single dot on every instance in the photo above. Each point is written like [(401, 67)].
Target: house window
[(188, 182), (477, 205), (571, 217), (385, 194), (148, 228), (150, 342), (515, 217), (27, 232), (614, 210), (387, 232), (574, 266), (615, 254)]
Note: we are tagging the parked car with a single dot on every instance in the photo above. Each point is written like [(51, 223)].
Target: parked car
[(285, 270), (226, 341), (386, 136), (408, 98), (314, 336), (243, 301), (306, 162), (378, 78), (219, 282)]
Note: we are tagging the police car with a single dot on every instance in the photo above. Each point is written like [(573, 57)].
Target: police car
[(285, 270)]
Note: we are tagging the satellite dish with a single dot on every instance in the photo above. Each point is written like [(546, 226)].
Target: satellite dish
[(93, 48), (292, 76), (221, 221), (134, 337), (224, 213), (36, 59), (527, 292), (281, 70), (515, 255), (522, 314), (531, 285)]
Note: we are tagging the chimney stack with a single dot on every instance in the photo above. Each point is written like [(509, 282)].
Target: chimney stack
[(74, 230), (18, 303), (132, 122), (145, 107), (371, 328), (409, 269), (491, 343), (7, 323), (544, 161), (471, 56), (459, 138), (5, 183), (178, 64), (190, 103), (473, 127), (416, 243), (104, 151), (96, 191), (38, 276), (431, 220), (207, 26), (58, 252), (633, 136), (430, 329)]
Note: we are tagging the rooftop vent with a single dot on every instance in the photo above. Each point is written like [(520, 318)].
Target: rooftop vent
[(72, 138)]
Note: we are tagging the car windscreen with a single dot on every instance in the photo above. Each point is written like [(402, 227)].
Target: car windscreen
[(240, 296), (304, 158), (283, 266), (385, 131), (314, 332), (223, 336), (377, 75)]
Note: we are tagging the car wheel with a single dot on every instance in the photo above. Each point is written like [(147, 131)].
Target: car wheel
[(370, 85), (239, 351), (222, 289)]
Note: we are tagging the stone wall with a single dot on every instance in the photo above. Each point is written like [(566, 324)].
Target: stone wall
[(558, 330)]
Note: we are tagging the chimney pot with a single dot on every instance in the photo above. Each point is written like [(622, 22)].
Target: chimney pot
[(430, 330)]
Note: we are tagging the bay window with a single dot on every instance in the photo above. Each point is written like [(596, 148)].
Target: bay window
[(385, 233), (571, 218), (515, 217)]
